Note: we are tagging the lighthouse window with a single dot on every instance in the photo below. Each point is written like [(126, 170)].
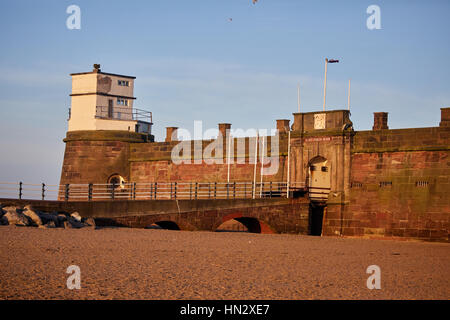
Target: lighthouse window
[(122, 102)]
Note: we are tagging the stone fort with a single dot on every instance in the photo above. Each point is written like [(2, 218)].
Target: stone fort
[(379, 183)]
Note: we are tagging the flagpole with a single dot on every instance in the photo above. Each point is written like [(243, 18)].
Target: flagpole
[(298, 97), (229, 156), (262, 165), (289, 164), (325, 84), (348, 102), (256, 162)]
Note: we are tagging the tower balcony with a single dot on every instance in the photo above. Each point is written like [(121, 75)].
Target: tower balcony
[(123, 113)]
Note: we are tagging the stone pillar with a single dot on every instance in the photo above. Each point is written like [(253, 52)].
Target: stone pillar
[(380, 121), (171, 134), (445, 117), (298, 122), (223, 127), (283, 125)]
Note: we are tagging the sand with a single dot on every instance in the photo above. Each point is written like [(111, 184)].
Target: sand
[(121, 263)]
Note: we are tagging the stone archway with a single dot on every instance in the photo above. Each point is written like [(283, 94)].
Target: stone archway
[(167, 224), (253, 224)]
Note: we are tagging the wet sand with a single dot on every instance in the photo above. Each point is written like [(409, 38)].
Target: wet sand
[(121, 263)]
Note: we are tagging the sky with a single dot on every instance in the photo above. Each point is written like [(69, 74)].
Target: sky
[(217, 61)]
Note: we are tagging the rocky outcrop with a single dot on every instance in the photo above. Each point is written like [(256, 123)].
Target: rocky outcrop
[(28, 216), (14, 216)]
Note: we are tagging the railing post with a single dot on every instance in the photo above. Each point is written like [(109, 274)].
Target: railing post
[(209, 190), (151, 190), (175, 190), (20, 190), (134, 190), (270, 192), (113, 190), (156, 191), (171, 190), (196, 186), (43, 191), (245, 190), (234, 190), (90, 192), (215, 190), (228, 190), (190, 190), (66, 193)]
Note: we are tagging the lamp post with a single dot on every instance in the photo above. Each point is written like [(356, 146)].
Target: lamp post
[(325, 80)]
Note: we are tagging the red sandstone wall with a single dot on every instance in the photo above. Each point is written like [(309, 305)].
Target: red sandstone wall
[(152, 163), (396, 194), (166, 171), (94, 161)]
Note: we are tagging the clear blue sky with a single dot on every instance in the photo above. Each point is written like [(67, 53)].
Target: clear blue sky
[(193, 63)]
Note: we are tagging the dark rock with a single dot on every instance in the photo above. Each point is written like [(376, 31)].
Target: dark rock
[(50, 225), (32, 215), (89, 222), (47, 217), (75, 215), (75, 223)]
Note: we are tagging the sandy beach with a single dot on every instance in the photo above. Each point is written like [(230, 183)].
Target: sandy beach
[(121, 263)]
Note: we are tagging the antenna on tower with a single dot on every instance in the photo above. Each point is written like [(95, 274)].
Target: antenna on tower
[(348, 99), (298, 96)]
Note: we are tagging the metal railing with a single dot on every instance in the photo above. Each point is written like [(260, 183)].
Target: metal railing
[(149, 191), (123, 113), (29, 191)]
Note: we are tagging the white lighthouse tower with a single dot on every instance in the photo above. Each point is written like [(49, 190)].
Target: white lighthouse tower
[(105, 101)]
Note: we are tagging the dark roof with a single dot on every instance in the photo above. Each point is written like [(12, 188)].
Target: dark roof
[(105, 73)]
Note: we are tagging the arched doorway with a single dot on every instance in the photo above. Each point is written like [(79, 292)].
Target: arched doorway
[(168, 225), (250, 224), (319, 183)]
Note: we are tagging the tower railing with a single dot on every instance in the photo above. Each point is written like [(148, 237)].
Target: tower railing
[(123, 113)]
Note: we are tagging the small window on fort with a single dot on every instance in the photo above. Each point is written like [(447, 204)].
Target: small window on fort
[(123, 83), (421, 184), (384, 184), (122, 102), (313, 168), (324, 169)]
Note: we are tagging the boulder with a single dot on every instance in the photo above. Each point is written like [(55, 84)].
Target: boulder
[(50, 225), (30, 213), (61, 218), (75, 223), (89, 222), (76, 216), (71, 223), (47, 217), (15, 217)]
